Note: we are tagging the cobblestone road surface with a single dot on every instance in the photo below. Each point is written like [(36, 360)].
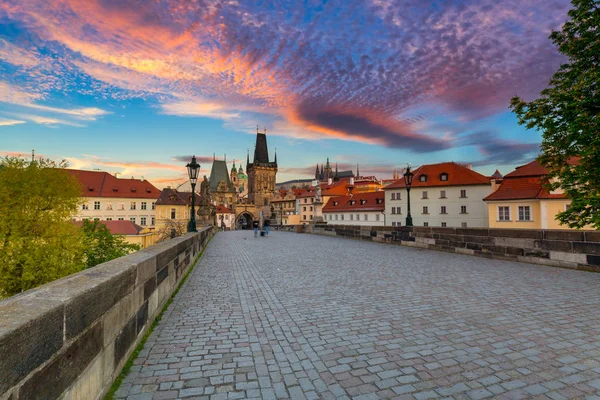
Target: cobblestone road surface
[(305, 316)]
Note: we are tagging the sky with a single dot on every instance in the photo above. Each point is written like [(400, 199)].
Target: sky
[(137, 87)]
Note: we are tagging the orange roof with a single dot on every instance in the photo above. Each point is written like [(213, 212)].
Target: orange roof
[(224, 210), (103, 184), (306, 193), (458, 175), (533, 168), (372, 201)]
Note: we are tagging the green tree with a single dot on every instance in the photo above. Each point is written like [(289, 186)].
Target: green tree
[(568, 115), (101, 245), (38, 242)]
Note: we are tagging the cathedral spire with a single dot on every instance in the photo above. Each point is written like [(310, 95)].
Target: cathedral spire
[(275, 149), (317, 172), (357, 172)]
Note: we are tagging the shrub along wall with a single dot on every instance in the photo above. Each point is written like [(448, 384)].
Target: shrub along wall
[(71, 337), (558, 248)]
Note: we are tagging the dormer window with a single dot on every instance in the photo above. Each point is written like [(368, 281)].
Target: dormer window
[(423, 178), (362, 202), (133, 189), (172, 197), (115, 189), (148, 190), (443, 176), (378, 201), (352, 202), (91, 188), (335, 203)]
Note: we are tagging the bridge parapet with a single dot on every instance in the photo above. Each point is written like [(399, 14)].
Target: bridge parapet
[(558, 248), (70, 338)]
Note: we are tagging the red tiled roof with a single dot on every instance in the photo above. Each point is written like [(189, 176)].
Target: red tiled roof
[(535, 168), (172, 197), (306, 193), (458, 175), (224, 210), (357, 202), (103, 184)]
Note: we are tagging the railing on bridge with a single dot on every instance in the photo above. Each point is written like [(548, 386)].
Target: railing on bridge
[(72, 337)]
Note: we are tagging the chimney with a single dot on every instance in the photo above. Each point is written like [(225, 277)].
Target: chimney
[(352, 180), (329, 181)]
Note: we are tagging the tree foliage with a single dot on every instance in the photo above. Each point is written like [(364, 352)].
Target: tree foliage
[(568, 115), (38, 242), (166, 231), (101, 245)]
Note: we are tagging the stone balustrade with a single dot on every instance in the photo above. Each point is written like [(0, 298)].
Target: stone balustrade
[(559, 248), (70, 338)]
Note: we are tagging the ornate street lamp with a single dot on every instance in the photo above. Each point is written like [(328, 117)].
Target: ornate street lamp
[(408, 177), (193, 169)]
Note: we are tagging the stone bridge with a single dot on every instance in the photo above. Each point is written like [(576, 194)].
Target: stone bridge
[(306, 316)]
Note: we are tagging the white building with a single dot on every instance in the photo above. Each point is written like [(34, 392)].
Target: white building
[(366, 209), (446, 194), (225, 217), (105, 197)]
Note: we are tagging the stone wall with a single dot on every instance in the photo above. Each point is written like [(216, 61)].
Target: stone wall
[(558, 248), (70, 338)]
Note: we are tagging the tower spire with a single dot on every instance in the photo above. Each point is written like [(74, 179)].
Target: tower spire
[(275, 149), (357, 172)]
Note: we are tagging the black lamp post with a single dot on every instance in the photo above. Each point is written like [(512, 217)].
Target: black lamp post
[(408, 177), (193, 169), (281, 214)]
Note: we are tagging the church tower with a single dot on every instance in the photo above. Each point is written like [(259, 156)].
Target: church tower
[(261, 172)]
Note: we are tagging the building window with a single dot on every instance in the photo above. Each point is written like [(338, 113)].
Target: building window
[(85, 206), (524, 213), (393, 196), (173, 213), (398, 196), (143, 205), (376, 217), (132, 205), (109, 206), (442, 194), (311, 217), (143, 221), (109, 219), (443, 210), (311, 208), (303, 208), (443, 224), (366, 217), (305, 200), (425, 210), (393, 223), (463, 193), (121, 219), (342, 217), (567, 206), (425, 223), (336, 217), (503, 213), (464, 224), (424, 195), (304, 217), (96, 205), (393, 210), (132, 219), (398, 210), (96, 219), (423, 178), (443, 177), (463, 209), (358, 217), (351, 217), (152, 220), (153, 205), (121, 206)]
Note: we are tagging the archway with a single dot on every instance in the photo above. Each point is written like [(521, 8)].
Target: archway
[(244, 221)]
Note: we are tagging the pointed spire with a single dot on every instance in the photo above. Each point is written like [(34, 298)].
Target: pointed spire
[(225, 157), (336, 168), (275, 148), (256, 128), (327, 165), (248, 158), (357, 172)]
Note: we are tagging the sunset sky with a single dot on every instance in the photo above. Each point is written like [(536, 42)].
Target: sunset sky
[(136, 87)]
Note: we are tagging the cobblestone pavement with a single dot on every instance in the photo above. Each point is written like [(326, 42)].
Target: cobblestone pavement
[(305, 316)]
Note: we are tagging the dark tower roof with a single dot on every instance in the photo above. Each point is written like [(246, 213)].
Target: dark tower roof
[(261, 152), (219, 173)]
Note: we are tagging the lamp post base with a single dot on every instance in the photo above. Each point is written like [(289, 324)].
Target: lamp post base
[(409, 221), (191, 227)]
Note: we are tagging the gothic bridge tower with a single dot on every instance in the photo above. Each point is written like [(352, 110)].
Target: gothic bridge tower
[(261, 172)]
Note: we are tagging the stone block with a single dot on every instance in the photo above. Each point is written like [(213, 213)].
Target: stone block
[(569, 257), (162, 275), (117, 317), (31, 331), (522, 243), (515, 251), (142, 317), (517, 233), (447, 231), (459, 250), (149, 287), (95, 300), (586, 248), (592, 236), (481, 232), (153, 304), (125, 340), (536, 253), (474, 246), (146, 265), (478, 239), (90, 383), (554, 245), (493, 248), (60, 373), (564, 235)]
